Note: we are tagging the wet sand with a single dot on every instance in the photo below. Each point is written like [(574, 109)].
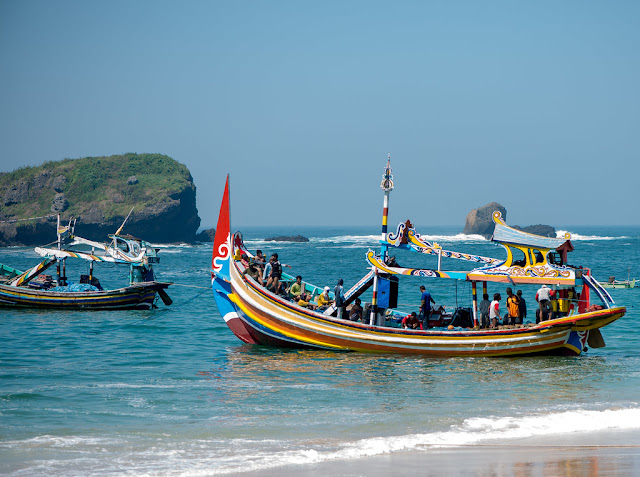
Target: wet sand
[(605, 454)]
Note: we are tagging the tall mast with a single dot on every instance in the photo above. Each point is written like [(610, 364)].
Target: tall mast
[(386, 186)]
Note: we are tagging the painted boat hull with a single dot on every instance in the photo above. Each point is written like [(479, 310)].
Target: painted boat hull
[(137, 296), (257, 316)]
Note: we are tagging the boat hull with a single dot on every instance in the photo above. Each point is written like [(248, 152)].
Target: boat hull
[(259, 317), (137, 296)]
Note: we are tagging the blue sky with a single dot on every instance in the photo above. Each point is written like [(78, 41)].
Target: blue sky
[(535, 105)]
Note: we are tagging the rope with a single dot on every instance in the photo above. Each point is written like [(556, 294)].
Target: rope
[(22, 220), (190, 286)]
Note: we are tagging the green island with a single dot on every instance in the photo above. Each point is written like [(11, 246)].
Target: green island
[(100, 192)]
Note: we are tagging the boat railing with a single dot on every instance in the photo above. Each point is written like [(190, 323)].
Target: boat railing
[(602, 293)]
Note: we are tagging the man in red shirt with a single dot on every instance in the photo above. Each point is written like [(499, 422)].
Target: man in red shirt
[(411, 321)]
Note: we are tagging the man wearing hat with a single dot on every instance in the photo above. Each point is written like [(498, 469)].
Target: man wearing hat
[(542, 297), (323, 299)]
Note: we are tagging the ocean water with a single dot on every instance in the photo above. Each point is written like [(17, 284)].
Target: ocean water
[(172, 392)]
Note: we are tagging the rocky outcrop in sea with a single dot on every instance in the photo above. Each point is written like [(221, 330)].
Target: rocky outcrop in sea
[(480, 222), (296, 238)]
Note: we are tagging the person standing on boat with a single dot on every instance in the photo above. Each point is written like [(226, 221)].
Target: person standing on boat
[(543, 299), (513, 309), (425, 306), (338, 292), (522, 308), (494, 310), (483, 309)]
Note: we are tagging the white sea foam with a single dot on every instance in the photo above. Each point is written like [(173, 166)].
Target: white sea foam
[(350, 241), (473, 431), (574, 236)]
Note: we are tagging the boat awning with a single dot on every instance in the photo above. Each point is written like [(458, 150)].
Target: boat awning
[(505, 234)]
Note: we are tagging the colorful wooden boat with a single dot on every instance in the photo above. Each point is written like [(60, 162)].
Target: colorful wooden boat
[(613, 283), (33, 289), (135, 296), (258, 316)]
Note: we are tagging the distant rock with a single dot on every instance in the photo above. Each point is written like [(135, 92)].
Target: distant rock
[(58, 183), (543, 230), (16, 194), (480, 221), (206, 235), (297, 238), (60, 204)]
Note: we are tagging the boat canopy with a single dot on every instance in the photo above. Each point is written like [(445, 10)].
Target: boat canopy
[(508, 235)]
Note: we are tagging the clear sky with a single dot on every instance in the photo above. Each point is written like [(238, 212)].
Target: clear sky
[(535, 105)]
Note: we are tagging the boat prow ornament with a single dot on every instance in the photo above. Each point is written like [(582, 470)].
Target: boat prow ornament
[(262, 316)]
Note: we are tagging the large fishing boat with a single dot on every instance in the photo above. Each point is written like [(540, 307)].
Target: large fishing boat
[(258, 316), (33, 289)]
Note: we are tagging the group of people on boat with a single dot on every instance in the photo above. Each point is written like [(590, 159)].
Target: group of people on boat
[(268, 273), (550, 305)]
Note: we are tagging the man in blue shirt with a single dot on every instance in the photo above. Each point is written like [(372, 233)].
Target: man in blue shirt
[(425, 306)]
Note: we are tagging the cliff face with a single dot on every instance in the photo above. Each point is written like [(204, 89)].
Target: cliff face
[(100, 192)]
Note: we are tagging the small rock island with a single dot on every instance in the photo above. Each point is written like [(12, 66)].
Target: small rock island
[(480, 222), (297, 238)]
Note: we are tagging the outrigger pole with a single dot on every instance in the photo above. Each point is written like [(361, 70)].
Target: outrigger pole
[(387, 187)]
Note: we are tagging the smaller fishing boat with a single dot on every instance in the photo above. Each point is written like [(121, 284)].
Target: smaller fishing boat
[(613, 283), (32, 288)]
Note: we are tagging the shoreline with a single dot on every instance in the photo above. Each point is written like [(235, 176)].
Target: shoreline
[(608, 453)]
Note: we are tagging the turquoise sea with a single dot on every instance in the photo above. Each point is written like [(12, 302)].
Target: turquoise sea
[(172, 392)]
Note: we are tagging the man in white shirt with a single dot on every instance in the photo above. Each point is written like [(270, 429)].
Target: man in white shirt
[(542, 297), (494, 310)]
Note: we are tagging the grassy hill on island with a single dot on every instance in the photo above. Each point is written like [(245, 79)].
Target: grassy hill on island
[(101, 191)]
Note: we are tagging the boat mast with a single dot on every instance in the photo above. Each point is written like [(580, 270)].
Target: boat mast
[(387, 187)]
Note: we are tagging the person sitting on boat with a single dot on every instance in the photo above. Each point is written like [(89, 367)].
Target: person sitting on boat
[(253, 272), (543, 299), (304, 300), (522, 308), (259, 260), (425, 306), (355, 313), (513, 310), (296, 288), (323, 299), (494, 310), (391, 261), (411, 321), (266, 271), (273, 283), (244, 259), (483, 309), (338, 292)]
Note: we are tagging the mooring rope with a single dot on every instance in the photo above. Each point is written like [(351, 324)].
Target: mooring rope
[(190, 286), (22, 220)]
